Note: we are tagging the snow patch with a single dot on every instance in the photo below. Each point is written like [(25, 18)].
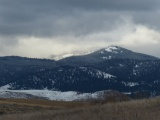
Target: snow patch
[(130, 84), (83, 68), (59, 57), (103, 74), (136, 66), (111, 49), (121, 65), (101, 52), (109, 57), (5, 87), (127, 93)]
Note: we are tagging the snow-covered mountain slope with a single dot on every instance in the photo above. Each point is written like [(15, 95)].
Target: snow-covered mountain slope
[(113, 52), (108, 53), (109, 68), (59, 57)]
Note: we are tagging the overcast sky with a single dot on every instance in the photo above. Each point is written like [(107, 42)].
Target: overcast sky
[(45, 28)]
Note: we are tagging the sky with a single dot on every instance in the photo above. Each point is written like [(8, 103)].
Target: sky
[(49, 28)]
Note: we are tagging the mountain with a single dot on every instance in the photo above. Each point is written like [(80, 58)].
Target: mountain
[(115, 52), (111, 52), (113, 68)]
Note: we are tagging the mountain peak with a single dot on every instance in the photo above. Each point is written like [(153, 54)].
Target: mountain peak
[(116, 52), (108, 53)]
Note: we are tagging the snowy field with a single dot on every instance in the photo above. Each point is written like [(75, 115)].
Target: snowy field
[(48, 94)]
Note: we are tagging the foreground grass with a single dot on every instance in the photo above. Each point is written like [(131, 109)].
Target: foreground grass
[(12, 106), (132, 110)]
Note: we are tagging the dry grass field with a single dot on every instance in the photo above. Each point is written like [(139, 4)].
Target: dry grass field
[(11, 106), (21, 109)]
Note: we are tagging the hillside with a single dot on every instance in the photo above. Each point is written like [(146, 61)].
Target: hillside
[(112, 67)]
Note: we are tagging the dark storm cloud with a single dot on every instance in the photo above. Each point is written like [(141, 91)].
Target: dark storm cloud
[(41, 5), (28, 27), (58, 17)]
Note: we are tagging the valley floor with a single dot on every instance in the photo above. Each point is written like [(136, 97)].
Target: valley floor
[(22, 109)]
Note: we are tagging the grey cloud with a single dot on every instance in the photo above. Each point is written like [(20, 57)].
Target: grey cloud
[(77, 19), (42, 5), (150, 19), (45, 17)]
